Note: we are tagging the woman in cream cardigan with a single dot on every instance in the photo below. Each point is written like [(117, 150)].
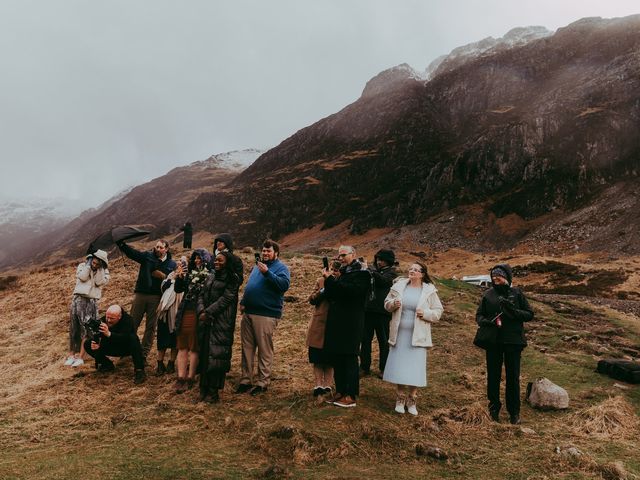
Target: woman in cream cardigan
[(415, 305)]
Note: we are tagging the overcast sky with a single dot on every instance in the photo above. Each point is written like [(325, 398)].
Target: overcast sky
[(99, 95)]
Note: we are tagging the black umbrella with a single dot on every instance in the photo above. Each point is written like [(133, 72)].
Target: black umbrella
[(117, 234)]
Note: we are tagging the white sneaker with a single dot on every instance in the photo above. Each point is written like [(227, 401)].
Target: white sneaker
[(70, 359), (400, 405), (411, 406), (77, 362)]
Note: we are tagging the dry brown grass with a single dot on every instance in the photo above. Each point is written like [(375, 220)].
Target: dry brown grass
[(104, 426), (614, 418)]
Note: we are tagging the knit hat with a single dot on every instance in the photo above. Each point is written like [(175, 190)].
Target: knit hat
[(499, 271), (386, 256)]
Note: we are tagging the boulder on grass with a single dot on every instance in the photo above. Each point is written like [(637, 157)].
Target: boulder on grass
[(546, 395)]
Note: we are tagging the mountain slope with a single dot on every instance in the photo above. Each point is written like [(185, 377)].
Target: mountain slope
[(526, 131)]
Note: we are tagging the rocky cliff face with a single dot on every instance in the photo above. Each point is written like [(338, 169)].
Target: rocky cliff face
[(524, 131)]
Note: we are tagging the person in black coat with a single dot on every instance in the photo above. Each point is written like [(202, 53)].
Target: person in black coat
[(346, 293), (216, 310), (504, 308), (376, 318), (117, 338), (188, 235)]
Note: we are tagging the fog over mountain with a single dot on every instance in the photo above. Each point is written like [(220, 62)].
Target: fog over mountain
[(99, 96)]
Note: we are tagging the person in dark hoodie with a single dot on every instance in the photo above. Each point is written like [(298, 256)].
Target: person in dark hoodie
[(188, 235), (224, 243), (155, 265), (504, 308), (376, 317)]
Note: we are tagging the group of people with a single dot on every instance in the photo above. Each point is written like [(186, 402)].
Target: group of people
[(352, 302), (192, 304)]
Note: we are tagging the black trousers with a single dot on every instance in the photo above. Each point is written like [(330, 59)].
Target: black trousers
[(377, 323), (123, 346), (510, 356), (345, 374), (186, 242)]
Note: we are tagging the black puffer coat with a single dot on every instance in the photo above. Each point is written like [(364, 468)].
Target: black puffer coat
[(345, 320), (219, 302), (511, 303)]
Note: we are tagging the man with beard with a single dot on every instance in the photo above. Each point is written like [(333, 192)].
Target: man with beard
[(155, 265)]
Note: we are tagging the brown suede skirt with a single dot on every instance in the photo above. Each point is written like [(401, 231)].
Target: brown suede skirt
[(187, 335)]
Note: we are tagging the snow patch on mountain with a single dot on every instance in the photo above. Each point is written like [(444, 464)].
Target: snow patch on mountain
[(515, 37), (236, 160)]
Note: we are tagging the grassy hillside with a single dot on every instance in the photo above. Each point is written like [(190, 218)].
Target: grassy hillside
[(56, 422)]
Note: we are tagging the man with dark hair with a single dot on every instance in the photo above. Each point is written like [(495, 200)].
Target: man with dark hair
[(376, 318), (261, 306), (346, 293), (117, 338), (155, 265)]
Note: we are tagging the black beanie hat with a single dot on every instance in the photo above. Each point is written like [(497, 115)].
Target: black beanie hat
[(386, 256)]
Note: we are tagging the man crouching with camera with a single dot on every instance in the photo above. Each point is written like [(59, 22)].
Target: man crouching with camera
[(114, 335)]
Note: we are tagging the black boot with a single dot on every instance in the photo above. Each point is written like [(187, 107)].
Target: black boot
[(160, 369), (514, 419), (495, 415), (213, 396), (171, 366)]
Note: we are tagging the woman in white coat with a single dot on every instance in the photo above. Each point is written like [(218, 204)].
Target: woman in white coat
[(91, 276), (415, 305)]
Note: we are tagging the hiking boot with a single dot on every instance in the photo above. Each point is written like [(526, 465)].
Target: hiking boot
[(400, 402), (181, 385), (495, 415), (171, 367), (139, 376), (318, 391), (514, 419), (411, 406), (190, 382), (327, 391), (160, 369), (345, 402), (257, 390), (243, 388)]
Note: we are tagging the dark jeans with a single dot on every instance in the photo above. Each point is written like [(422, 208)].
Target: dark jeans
[(345, 374), (377, 323), (510, 356), (117, 347)]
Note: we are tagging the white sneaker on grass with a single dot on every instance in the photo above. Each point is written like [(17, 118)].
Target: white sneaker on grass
[(69, 361), (77, 362)]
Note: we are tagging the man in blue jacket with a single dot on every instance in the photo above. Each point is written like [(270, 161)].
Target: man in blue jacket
[(261, 306), (155, 265)]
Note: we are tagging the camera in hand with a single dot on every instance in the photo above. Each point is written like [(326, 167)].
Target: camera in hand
[(93, 330), (257, 256), (325, 263)]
